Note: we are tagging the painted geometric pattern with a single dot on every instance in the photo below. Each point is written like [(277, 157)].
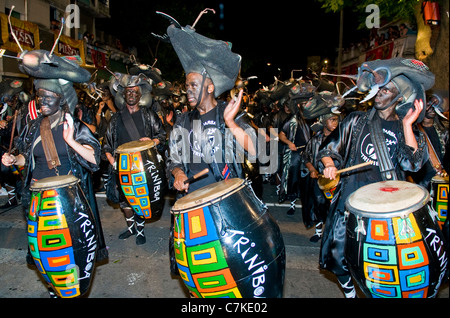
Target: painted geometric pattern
[(51, 244), (200, 257), (441, 203), (395, 259), (134, 183)]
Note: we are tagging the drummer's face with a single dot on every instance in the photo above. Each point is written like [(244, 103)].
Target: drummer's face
[(332, 123), (385, 96), (48, 102), (194, 87), (132, 95)]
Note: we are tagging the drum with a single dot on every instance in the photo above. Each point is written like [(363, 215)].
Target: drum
[(328, 186), (439, 198), (227, 244), (142, 178), (62, 235), (394, 247)]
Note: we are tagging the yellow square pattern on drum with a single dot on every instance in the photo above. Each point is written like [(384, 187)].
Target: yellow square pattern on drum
[(442, 193), (180, 251), (229, 293), (406, 230)]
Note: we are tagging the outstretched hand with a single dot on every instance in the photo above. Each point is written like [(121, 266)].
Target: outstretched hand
[(232, 109), (412, 114), (68, 129)]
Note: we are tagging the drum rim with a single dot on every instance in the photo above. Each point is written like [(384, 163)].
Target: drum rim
[(51, 182), (139, 145), (202, 203), (440, 179), (397, 213)]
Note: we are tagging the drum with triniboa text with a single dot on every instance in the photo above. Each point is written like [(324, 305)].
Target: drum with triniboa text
[(62, 235), (439, 198), (142, 178), (394, 246), (227, 244)]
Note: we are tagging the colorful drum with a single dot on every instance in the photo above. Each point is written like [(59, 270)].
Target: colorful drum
[(394, 247), (142, 178), (328, 186), (62, 235), (227, 244), (439, 198)]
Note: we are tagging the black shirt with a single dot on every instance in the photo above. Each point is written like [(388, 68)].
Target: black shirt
[(123, 136), (210, 135), (41, 169)]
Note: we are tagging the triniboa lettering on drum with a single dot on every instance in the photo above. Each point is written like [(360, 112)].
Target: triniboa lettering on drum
[(243, 247), (88, 229), (156, 178), (438, 248)]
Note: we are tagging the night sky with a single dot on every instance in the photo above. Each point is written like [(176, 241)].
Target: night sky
[(282, 34)]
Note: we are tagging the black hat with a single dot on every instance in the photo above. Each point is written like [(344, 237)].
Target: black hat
[(119, 82), (411, 77), (199, 54), (54, 73)]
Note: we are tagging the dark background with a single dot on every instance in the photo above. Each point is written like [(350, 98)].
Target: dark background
[(283, 34)]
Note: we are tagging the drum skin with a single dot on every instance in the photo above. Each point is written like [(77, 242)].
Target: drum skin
[(439, 198), (328, 186), (142, 178), (62, 236), (398, 253), (229, 246)]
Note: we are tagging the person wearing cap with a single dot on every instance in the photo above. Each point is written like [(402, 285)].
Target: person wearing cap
[(386, 135), (131, 98)]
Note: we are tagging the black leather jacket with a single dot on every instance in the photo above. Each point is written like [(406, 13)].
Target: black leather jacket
[(179, 146), (80, 167), (153, 129)]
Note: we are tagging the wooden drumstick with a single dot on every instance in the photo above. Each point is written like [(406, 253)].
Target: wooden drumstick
[(197, 175), (352, 167), (12, 133)]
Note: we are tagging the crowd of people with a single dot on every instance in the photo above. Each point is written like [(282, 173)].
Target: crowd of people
[(317, 130)]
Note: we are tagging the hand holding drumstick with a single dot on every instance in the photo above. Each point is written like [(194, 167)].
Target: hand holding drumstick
[(330, 171)]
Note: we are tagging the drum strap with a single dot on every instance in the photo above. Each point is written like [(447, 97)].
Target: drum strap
[(435, 162), (130, 126), (386, 166), (48, 144)]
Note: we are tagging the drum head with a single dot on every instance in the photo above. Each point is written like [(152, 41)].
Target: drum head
[(135, 146), (327, 184), (207, 194), (387, 199), (439, 179), (54, 182)]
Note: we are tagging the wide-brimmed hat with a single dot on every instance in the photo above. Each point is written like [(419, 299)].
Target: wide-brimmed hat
[(411, 77), (199, 54)]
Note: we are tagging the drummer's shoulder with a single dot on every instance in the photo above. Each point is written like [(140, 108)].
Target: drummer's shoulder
[(355, 115)]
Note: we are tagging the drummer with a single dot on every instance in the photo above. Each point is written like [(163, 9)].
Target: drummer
[(436, 134), (78, 151), (387, 135), (319, 203), (211, 70), (133, 122)]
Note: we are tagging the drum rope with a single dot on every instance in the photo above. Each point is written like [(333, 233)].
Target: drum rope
[(360, 228)]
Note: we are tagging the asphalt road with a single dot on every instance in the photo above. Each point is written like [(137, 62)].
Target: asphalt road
[(142, 271)]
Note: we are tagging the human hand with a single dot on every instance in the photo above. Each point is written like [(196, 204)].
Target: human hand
[(68, 129), (412, 114), (8, 159), (330, 172), (180, 178), (232, 109)]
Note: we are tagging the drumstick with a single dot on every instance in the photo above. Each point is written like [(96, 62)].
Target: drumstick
[(352, 167), (12, 132), (197, 175)]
